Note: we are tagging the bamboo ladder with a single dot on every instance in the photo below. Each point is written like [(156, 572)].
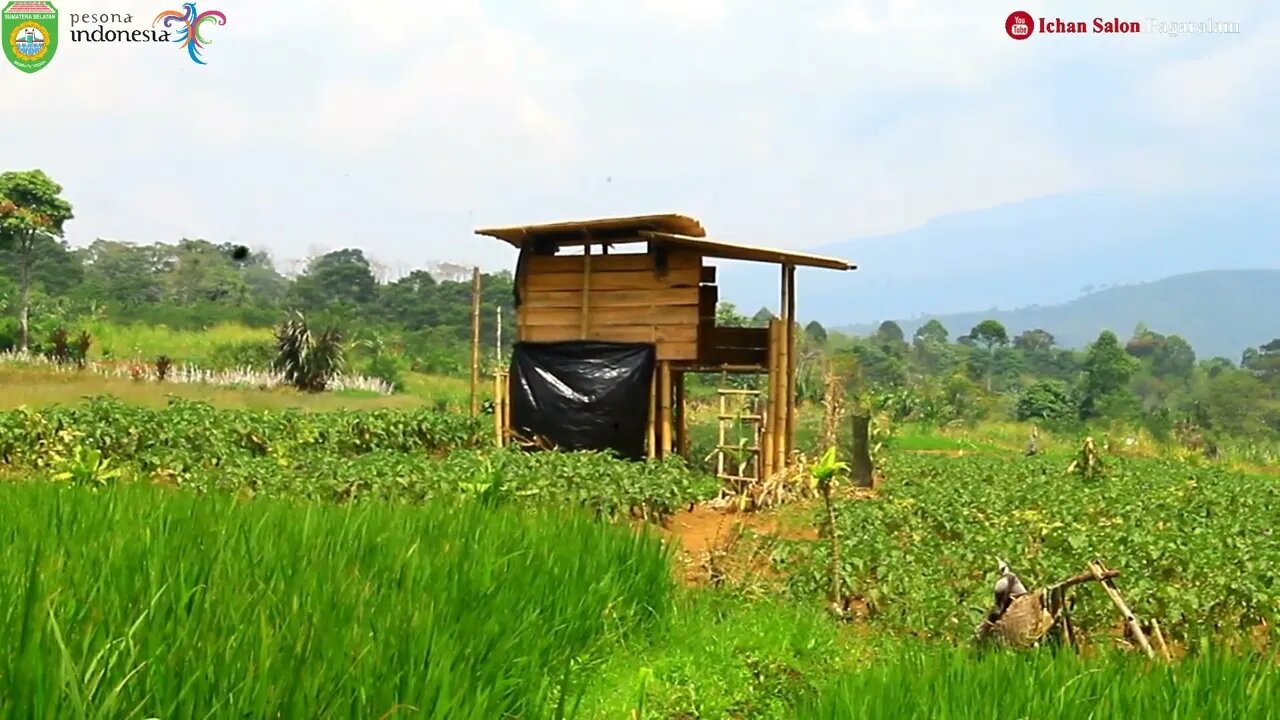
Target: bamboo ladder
[(749, 414)]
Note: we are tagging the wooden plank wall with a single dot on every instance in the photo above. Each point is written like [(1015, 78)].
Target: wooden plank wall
[(626, 301)]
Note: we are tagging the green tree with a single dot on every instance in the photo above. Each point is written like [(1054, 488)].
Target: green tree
[(1173, 358), (890, 333), (990, 334), (815, 333), (1045, 400), (932, 331), (200, 271), (1235, 403), (761, 318), (412, 301), (1264, 361), (1034, 341), (727, 315), (1107, 370), (32, 215), (1144, 343), (343, 278), (930, 345), (122, 274), (1216, 366)]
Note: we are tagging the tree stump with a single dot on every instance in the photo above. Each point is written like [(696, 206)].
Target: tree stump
[(863, 470)]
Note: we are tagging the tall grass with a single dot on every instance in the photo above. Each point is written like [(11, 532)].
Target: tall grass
[(139, 602), (134, 341), (929, 682)]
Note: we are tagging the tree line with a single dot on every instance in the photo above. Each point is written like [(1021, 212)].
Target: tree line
[(1149, 378), (421, 322), (193, 284)]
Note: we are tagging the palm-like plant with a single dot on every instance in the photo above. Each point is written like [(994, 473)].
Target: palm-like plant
[(308, 362)]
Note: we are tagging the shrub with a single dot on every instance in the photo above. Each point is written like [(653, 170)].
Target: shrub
[(1046, 400)]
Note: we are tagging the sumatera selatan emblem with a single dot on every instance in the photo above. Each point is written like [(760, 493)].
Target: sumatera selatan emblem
[(30, 31)]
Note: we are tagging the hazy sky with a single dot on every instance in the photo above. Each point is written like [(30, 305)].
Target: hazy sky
[(401, 127)]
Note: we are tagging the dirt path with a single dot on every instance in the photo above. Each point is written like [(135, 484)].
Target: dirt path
[(707, 535)]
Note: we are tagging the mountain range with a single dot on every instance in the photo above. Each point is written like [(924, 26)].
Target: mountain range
[(1220, 312), (1070, 264)]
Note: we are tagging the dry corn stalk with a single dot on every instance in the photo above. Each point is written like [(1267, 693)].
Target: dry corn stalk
[(833, 405)]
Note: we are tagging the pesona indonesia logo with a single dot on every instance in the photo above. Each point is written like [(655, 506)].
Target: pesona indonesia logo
[(30, 31), (189, 23), (1021, 25), (184, 27)]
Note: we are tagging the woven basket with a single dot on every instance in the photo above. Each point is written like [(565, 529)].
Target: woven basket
[(1022, 625)]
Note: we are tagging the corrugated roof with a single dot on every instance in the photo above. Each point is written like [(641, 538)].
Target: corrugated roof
[(670, 229)]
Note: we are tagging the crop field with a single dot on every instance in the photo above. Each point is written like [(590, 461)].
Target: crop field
[(187, 560), (1197, 547), (410, 456)]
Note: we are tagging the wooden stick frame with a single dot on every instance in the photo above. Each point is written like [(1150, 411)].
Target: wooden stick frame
[(475, 342)]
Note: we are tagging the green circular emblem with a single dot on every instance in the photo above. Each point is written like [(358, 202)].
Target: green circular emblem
[(29, 41)]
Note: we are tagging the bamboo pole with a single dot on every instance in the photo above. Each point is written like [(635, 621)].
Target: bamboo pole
[(720, 438), (497, 407), (1109, 586), (781, 442), (791, 363), (586, 292), (664, 408), (506, 406), (653, 414), (1159, 638), (475, 341), (771, 402)]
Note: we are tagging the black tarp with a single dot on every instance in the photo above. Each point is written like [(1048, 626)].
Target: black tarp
[(583, 395)]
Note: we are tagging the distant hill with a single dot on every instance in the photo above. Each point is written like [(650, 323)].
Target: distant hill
[(1220, 312), (1048, 251)]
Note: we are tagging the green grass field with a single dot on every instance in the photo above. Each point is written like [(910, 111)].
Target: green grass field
[(139, 602), (135, 602), (239, 557)]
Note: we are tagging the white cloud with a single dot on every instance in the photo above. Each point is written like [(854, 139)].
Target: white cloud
[(671, 14), (1220, 91), (469, 91), (402, 127)]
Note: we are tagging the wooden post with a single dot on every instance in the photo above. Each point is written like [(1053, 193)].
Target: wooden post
[(863, 470), (664, 408), (586, 291), (791, 363), (475, 341), (681, 426)]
